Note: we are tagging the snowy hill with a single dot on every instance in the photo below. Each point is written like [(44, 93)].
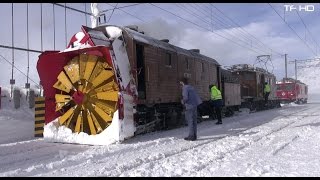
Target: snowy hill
[(311, 77)]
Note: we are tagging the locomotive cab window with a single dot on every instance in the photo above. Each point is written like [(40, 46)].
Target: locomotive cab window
[(141, 74), (306, 90), (202, 67), (187, 64), (168, 60), (278, 87), (289, 87)]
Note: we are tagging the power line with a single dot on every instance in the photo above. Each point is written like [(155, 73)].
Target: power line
[(112, 12), (292, 29), (18, 69), (85, 16), (243, 29), (202, 27), (18, 48), (127, 13), (230, 33), (121, 7), (67, 7), (221, 21), (308, 30), (236, 36)]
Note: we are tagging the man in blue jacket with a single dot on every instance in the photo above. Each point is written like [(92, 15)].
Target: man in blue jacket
[(191, 100)]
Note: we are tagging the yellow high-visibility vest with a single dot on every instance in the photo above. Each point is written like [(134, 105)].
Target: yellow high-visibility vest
[(267, 88), (215, 93)]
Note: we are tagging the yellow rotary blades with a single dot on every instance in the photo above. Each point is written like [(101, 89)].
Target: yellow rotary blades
[(87, 94)]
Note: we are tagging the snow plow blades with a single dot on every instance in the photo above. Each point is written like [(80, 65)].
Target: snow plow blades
[(91, 94), (82, 92)]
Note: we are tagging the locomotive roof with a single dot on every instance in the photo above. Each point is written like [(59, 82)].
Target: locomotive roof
[(158, 43), (289, 80), (248, 67)]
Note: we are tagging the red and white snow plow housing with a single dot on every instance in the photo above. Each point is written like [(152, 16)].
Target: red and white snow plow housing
[(89, 90)]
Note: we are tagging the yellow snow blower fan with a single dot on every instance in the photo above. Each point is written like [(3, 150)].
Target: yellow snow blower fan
[(86, 94)]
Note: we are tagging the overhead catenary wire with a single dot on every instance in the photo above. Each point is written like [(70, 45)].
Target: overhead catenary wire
[(112, 12), (245, 32), (177, 16), (128, 13), (222, 21), (18, 69), (53, 6), (240, 30), (85, 15), (317, 46), (19, 48), (70, 8), (292, 29), (203, 27), (120, 7), (226, 31)]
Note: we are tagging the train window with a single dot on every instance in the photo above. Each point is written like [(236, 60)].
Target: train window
[(202, 67), (168, 59), (187, 64), (278, 87), (249, 77), (289, 87)]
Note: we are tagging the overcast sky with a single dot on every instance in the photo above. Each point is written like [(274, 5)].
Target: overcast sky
[(231, 33)]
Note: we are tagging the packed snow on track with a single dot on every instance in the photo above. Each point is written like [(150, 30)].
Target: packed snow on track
[(276, 142)]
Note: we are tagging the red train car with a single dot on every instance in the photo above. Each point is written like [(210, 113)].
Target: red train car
[(291, 90)]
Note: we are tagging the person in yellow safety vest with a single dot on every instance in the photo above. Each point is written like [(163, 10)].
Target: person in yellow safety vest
[(266, 92), (216, 101)]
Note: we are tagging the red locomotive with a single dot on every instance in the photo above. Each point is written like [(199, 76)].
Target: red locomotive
[(291, 90)]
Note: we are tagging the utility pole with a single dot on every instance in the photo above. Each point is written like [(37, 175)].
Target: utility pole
[(305, 66), (295, 68), (285, 58)]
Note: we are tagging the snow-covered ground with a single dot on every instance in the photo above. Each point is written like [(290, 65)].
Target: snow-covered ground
[(277, 142)]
